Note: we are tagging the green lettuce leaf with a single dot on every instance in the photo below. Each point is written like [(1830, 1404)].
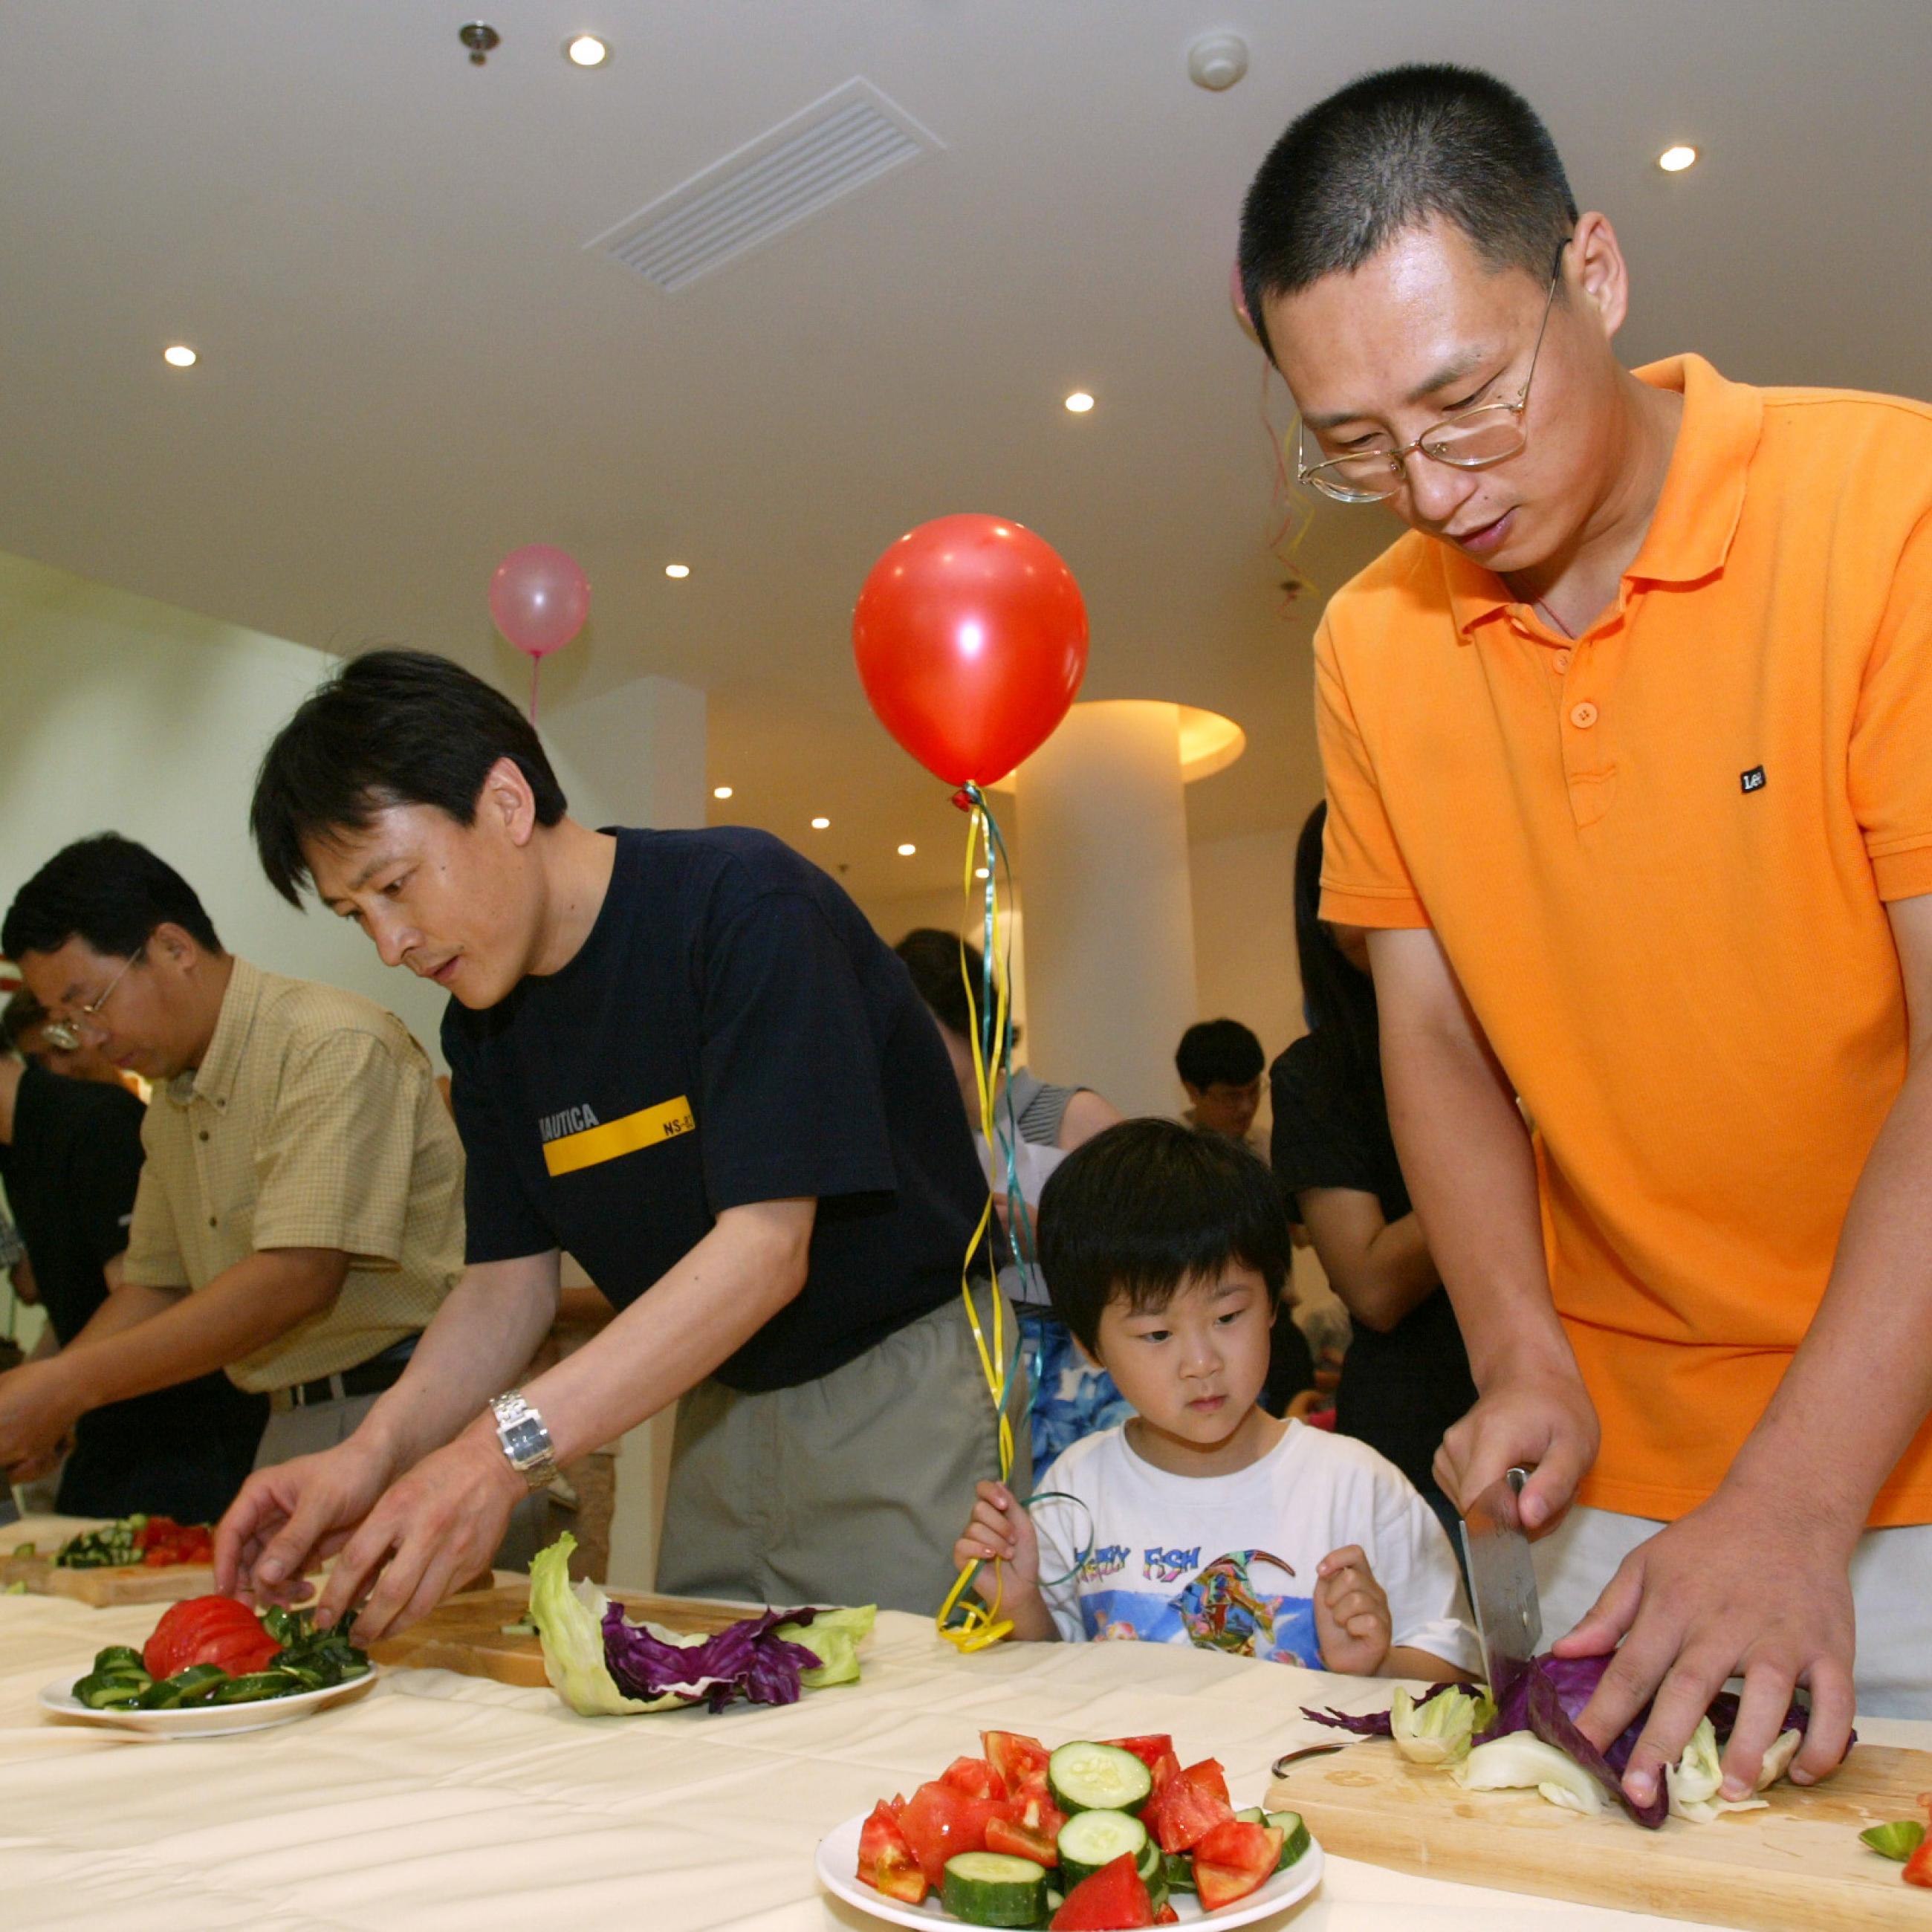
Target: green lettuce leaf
[(832, 1636), (569, 1618)]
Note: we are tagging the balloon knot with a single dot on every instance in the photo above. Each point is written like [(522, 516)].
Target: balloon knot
[(963, 799)]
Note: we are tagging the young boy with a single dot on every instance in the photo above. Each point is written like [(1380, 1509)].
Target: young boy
[(1204, 1519)]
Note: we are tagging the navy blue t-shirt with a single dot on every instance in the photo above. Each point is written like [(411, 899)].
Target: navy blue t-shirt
[(731, 1031)]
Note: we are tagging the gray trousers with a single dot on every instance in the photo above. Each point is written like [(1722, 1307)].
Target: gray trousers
[(850, 1489)]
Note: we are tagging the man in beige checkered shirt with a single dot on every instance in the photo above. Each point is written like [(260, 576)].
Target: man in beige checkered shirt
[(299, 1218)]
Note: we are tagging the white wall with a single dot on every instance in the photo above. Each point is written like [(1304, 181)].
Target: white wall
[(120, 714), (1244, 934)]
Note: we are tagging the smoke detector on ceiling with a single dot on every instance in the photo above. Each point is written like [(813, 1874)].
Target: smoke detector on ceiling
[(1216, 61)]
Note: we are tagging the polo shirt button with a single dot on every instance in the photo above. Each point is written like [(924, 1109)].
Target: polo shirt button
[(212, 1222), (1583, 715), (204, 1133), (1562, 661)]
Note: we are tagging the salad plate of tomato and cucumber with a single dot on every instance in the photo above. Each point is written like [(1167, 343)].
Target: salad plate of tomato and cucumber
[(1093, 1836), (212, 1665)]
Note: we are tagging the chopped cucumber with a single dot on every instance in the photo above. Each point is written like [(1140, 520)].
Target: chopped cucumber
[(1177, 1869), (101, 1691), (123, 1659), (1253, 1815), (1091, 1839), (990, 1888), (193, 1685), (1294, 1840), (1098, 1778), (258, 1684)]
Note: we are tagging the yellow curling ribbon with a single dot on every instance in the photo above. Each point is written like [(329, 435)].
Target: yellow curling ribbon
[(968, 1625)]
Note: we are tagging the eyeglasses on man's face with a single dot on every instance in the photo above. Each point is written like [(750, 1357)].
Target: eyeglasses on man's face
[(65, 1031), (1469, 439)]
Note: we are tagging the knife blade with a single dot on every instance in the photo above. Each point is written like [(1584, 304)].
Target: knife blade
[(1502, 1582)]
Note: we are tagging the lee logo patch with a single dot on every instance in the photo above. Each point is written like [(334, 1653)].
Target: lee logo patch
[(1752, 780)]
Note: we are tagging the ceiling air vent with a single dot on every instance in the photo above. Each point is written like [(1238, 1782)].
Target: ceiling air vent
[(853, 135)]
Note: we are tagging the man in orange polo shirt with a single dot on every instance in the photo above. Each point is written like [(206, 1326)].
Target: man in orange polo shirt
[(1627, 747)]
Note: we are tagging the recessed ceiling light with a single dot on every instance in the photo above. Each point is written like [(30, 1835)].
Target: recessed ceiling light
[(677, 570), (179, 355), (820, 824), (1674, 160), (721, 791), (587, 50), (979, 872), (907, 851), (1080, 402)]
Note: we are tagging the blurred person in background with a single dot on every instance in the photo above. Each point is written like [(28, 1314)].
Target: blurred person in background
[(1220, 1063), (1405, 1378)]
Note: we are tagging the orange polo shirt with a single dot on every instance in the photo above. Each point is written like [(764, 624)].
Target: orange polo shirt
[(1657, 857)]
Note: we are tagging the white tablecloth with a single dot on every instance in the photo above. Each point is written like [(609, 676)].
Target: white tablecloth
[(441, 1801)]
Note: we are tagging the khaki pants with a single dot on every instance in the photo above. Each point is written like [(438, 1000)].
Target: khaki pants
[(850, 1489), (306, 1431)]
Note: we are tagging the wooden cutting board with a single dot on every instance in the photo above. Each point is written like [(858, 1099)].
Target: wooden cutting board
[(1796, 1868), (465, 1633), (104, 1589)]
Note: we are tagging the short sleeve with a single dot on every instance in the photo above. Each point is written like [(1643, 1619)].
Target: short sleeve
[(1416, 1569), (501, 1223), (1890, 776), (1364, 881), (791, 1103), (335, 1156), (154, 1257), (1316, 1141)]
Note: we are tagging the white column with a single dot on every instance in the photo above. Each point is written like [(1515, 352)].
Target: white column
[(1110, 921), (633, 756)]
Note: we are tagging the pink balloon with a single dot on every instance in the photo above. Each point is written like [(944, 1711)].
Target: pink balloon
[(1237, 297), (539, 597)]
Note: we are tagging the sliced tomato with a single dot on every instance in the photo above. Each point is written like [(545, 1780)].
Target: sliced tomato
[(1150, 1750), (209, 1630), (1234, 1860), (1036, 1811), (886, 1860), (975, 1776), (1210, 1777), (1167, 1915), (1114, 1899), (1019, 1760), (1020, 1841), (939, 1823), (1184, 1810)]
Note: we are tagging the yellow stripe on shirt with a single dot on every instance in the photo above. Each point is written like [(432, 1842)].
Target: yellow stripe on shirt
[(569, 1153)]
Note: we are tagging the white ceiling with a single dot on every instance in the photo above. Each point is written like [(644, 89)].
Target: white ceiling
[(410, 364)]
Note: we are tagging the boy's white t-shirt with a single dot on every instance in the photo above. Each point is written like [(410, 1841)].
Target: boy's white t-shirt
[(1227, 1562)]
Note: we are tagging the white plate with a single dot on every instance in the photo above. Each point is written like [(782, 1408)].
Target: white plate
[(838, 1866), (207, 1721)]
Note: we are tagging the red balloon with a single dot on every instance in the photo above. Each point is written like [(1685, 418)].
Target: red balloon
[(539, 597), (971, 638)]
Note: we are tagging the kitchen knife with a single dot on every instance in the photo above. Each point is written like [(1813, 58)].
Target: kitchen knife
[(1502, 1582)]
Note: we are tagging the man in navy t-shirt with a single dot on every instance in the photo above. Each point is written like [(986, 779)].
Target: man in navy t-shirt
[(685, 1057)]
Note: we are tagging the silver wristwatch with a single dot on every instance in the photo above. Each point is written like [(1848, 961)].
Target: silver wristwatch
[(525, 1441)]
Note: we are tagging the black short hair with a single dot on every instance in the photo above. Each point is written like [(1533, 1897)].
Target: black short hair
[(1219, 1050), (932, 957), (1391, 151), (1147, 1206), (390, 728), (107, 891)]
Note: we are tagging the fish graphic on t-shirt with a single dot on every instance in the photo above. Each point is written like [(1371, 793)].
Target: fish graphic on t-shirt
[(1221, 1610)]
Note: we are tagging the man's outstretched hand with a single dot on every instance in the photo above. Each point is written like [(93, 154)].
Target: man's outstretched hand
[(1740, 1586)]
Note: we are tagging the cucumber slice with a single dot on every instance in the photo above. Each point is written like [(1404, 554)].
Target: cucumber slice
[(1177, 1869), (1253, 1815), (1294, 1839), (122, 1660), (991, 1889), (1098, 1778), (101, 1690), (1091, 1839)]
